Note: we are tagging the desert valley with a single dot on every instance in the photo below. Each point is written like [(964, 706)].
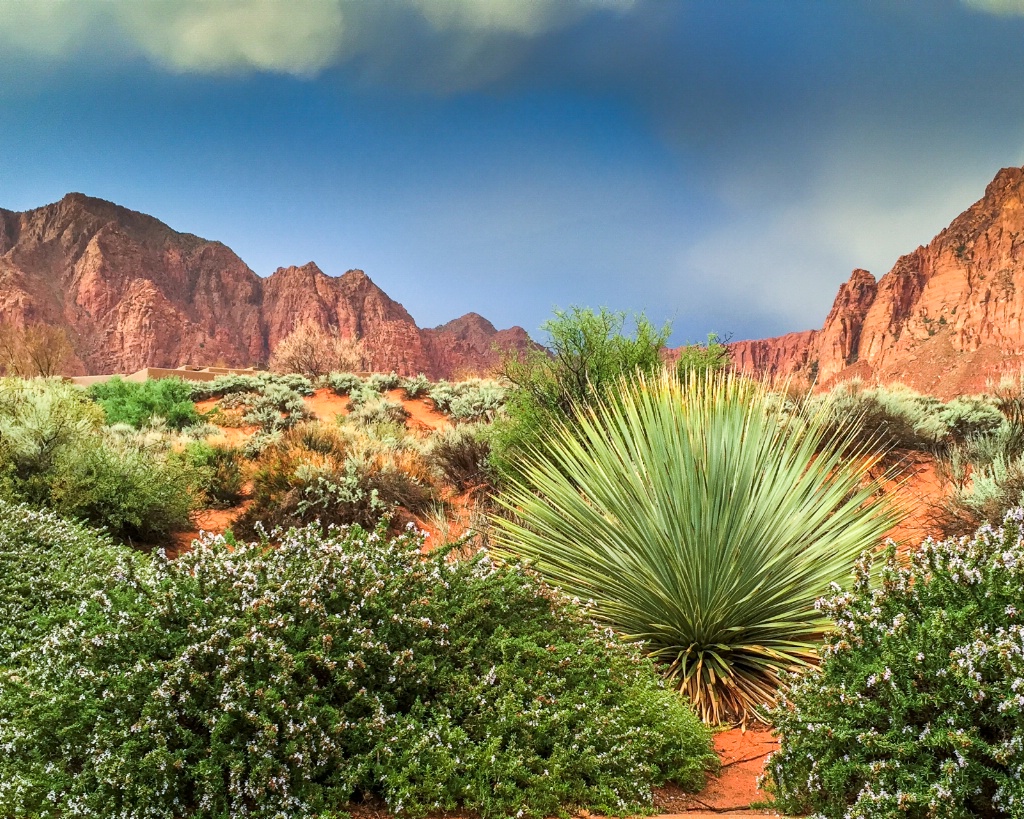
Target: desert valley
[(511, 409)]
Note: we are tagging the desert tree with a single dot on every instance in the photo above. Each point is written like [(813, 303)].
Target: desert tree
[(36, 350), (314, 351)]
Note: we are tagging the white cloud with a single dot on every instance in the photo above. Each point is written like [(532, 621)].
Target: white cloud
[(525, 17), (783, 252), (1006, 8), (298, 37)]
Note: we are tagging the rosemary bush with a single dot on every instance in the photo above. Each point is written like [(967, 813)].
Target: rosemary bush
[(917, 709), (258, 682)]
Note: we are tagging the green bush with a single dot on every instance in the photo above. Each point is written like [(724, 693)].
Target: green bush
[(379, 410), (382, 382), (474, 400), (48, 565), (261, 683), (55, 453), (917, 709), (890, 420), (704, 519), (415, 387), (221, 469), (588, 353), (316, 473), (226, 384), (461, 454), (343, 383), (697, 360), (138, 404)]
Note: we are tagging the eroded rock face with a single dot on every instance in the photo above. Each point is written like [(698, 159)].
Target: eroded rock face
[(133, 293), (946, 319)]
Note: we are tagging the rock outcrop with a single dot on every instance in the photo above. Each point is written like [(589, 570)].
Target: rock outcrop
[(133, 293), (948, 317)]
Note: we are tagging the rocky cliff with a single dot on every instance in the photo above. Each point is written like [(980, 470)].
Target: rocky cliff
[(133, 293), (947, 318)]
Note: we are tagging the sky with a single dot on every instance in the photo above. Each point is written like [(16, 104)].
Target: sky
[(718, 164)]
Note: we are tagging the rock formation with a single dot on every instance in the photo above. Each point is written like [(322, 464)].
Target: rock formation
[(133, 293), (945, 320)]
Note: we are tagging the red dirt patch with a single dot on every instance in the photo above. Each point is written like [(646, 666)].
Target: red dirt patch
[(326, 404), (734, 788)]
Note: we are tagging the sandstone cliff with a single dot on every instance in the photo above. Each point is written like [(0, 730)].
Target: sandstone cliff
[(948, 317), (133, 293)]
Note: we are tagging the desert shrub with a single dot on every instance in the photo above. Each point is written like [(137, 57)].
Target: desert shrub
[(697, 360), (221, 471), (336, 475), (234, 383), (137, 404), (461, 454), (970, 416), (278, 406), (474, 400), (54, 453), (916, 709), (891, 420), (587, 354), (48, 565), (703, 519), (382, 382), (343, 383), (314, 351), (256, 682), (379, 410), (415, 387)]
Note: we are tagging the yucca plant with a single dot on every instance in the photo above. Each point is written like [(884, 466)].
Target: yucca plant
[(704, 518)]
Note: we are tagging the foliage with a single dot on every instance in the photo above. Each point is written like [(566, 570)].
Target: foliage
[(278, 406), (461, 454), (341, 475), (917, 708), (39, 350), (128, 402), (315, 351), (221, 467), (257, 682), (343, 383), (382, 382), (477, 399), (379, 410), (587, 354), (236, 383), (55, 453), (47, 566), (697, 360), (889, 420), (704, 519), (415, 387)]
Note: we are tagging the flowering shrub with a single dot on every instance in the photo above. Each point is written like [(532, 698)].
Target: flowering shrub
[(46, 564), (260, 682), (917, 709)]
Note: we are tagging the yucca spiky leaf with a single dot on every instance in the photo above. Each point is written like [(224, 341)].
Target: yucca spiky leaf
[(704, 518)]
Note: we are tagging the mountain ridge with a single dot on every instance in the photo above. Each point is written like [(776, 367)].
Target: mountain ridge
[(132, 292), (946, 319)]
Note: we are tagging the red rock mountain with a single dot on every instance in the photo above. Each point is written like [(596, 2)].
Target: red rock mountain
[(133, 293), (947, 317)]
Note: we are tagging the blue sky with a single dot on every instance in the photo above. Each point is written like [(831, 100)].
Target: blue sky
[(720, 164)]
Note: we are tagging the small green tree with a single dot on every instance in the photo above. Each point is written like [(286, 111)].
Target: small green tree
[(701, 359), (587, 354)]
